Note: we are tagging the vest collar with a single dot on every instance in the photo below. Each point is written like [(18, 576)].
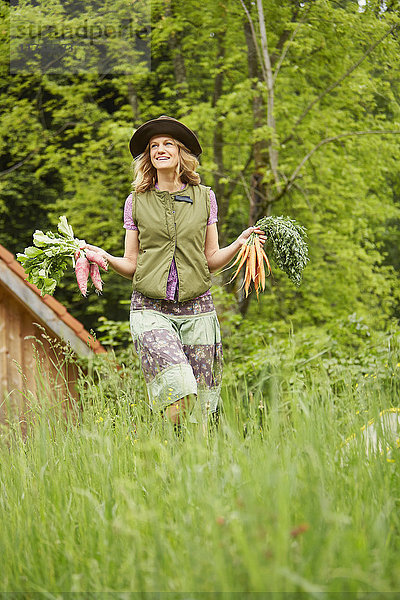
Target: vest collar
[(161, 192)]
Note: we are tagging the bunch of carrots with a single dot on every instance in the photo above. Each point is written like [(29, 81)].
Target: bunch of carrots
[(287, 246), (252, 253)]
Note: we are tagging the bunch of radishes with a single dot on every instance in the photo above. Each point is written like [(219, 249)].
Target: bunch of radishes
[(87, 263), (46, 261)]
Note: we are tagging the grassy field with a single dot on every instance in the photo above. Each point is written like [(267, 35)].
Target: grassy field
[(273, 500)]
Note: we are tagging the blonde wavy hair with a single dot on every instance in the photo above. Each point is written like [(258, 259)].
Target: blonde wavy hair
[(146, 173)]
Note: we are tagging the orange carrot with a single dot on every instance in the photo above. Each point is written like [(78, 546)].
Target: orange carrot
[(267, 261), (257, 283), (252, 261), (247, 279), (244, 256), (261, 269), (239, 255)]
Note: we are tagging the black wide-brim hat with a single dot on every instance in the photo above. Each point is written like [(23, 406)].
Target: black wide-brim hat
[(167, 126)]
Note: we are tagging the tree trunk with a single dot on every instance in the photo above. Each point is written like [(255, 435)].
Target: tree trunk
[(174, 44), (257, 186), (218, 138), (133, 101)]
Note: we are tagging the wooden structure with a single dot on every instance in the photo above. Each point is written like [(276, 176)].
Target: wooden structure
[(38, 336)]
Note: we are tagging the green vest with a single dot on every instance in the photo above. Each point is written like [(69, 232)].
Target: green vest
[(170, 229)]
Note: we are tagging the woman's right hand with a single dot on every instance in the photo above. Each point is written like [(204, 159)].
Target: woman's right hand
[(102, 252)]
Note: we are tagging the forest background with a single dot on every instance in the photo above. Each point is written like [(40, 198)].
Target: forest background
[(297, 107)]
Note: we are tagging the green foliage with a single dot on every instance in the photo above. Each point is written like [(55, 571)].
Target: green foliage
[(349, 351), (46, 261), (286, 491), (115, 335), (64, 144)]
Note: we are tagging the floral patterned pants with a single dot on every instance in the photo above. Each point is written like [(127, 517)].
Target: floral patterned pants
[(179, 345)]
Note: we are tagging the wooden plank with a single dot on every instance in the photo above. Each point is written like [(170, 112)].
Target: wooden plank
[(3, 356), (28, 352), (13, 335)]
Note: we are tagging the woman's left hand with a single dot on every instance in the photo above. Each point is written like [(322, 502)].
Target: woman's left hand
[(244, 236)]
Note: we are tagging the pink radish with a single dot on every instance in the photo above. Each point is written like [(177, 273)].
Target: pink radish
[(96, 277), (97, 258), (82, 273)]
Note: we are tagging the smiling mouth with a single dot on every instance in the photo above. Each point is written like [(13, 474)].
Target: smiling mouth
[(163, 158)]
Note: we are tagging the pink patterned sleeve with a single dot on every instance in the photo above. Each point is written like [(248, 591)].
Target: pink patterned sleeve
[(128, 218), (213, 218)]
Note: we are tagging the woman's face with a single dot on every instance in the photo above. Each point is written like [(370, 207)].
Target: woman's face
[(164, 152)]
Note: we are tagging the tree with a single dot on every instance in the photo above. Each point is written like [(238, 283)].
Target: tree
[(297, 105)]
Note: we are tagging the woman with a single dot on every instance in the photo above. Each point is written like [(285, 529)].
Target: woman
[(171, 247)]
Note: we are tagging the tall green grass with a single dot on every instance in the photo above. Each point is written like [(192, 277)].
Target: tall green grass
[(273, 500)]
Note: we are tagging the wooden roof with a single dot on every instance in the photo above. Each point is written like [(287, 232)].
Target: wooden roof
[(46, 308)]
